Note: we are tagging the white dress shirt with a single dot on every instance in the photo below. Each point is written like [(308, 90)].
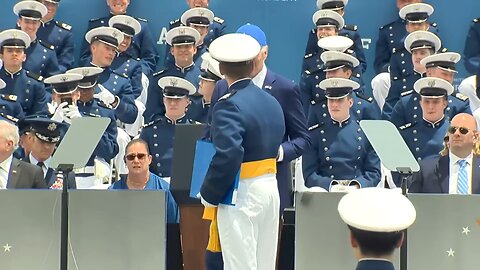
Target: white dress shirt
[(4, 170), (454, 168)]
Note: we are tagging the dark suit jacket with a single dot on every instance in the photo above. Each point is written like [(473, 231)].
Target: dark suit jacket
[(25, 175), (373, 264), (295, 139), (433, 176)]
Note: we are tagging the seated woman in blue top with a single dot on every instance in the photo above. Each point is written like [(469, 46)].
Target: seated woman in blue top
[(139, 177)]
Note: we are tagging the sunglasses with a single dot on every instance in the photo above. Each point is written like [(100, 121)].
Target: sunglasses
[(462, 130), (140, 156)]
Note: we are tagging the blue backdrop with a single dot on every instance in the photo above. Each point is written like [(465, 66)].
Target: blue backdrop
[(286, 22)]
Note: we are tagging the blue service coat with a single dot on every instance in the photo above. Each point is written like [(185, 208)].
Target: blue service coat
[(59, 35), (132, 69), (471, 52), (399, 87), (340, 151), (247, 125), (143, 45), (41, 59)]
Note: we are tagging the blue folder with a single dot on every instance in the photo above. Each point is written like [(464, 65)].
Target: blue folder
[(204, 152)]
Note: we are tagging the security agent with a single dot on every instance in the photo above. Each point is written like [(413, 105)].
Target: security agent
[(69, 102), (440, 65), (341, 65), (183, 41), (47, 134), (418, 45), (424, 137), (58, 34), (9, 104), (247, 130), (160, 131), (200, 19), (349, 30), (41, 56), (376, 219), (143, 45), (113, 89), (340, 153), (21, 84)]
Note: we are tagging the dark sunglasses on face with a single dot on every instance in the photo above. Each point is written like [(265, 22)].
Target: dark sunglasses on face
[(140, 156), (462, 130)]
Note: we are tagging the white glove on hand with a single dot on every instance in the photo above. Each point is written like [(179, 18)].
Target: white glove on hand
[(71, 112), (59, 112), (105, 96)]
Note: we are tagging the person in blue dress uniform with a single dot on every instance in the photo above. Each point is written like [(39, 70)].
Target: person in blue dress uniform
[(143, 45), (418, 45), (424, 137), (41, 56), (341, 65), (471, 51), (348, 30), (183, 40), (340, 153), (376, 219), (25, 87), (71, 101), (47, 134), (247, 130), (391, 41), (9, 105), (58, 34), (160, 131), (440, 65)]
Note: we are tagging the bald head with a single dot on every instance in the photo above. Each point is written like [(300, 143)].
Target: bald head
[(464, 120), (462, 134)]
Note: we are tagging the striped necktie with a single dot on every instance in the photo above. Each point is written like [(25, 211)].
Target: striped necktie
[(462, 177)]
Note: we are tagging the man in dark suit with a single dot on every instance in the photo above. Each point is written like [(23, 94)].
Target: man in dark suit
[(456, 172), (376, 218), (13, 172)]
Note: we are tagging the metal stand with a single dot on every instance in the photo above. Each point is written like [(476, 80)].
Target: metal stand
[(65, 169), (405, 173)]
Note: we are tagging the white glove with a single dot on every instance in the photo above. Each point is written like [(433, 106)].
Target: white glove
[(71, 112), (105, 96), (59, 112), (205, 203)]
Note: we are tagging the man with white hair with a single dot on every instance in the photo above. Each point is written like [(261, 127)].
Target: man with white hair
[(15, 173)]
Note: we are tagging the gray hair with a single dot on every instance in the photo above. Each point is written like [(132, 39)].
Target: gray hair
[(9, 132)]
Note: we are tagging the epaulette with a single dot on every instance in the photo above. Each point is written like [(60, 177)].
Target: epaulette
[(120, 74), (47, 45), (174, 22), (308, 55), (94, 115), (34, 76), (476, 20), (406, 93), (350, 27), (349, 51), (11, 98), (408, 125), (313, 71), (159, 72), (315, 126), (152, 122), (142, 19), (443, 50), (103, 105), (96, 19), (313, 31), (364, 97), (218, 20), (63, 25), (225, 97), (461, 96), (9, 117), (433, 24)]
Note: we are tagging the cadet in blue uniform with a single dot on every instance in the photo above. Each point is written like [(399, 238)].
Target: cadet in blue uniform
[(340, 150), (113, 89), (41, 56), (424, 137), (341, 65), (376, 218), (143, 45), (247, 130), (46, 136), (441, 65), (21, 85), (72, 97), (471, 51), (58, 34), (160, 131), (183, 40), (418, 45), (348, 30), (9, 105)]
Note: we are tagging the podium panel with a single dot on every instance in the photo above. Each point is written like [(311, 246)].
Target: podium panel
[(322, 239), (446, 234), (30, 229), (117, 229)]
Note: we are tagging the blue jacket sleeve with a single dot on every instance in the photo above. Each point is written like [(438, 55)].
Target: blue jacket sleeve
[(371, 169), (136, 81), (382, 53), (310, 164), (66, 58), (359, 52), (305, 92), (126, 110), (40, 103), (398, 117), (148, 51), (471, 50), (107, 147)]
